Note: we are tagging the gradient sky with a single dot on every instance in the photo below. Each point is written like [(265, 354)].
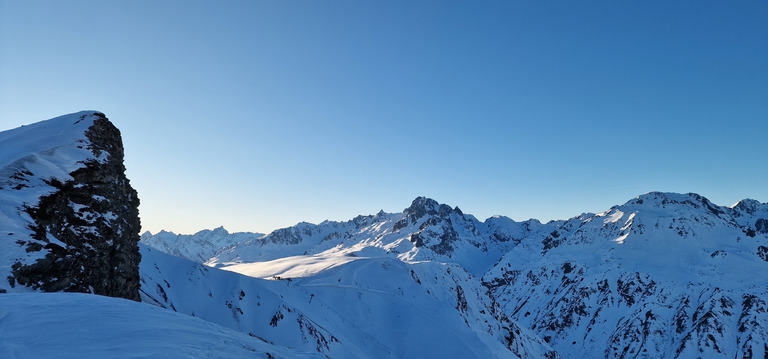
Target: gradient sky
[(256, 115)]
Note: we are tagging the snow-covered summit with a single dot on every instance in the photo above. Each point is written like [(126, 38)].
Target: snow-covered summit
[(661, 200)]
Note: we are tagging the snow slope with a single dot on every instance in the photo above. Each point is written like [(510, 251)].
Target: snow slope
[(74, 325), (365, 308)]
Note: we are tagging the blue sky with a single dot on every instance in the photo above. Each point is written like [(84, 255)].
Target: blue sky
[(256, 115)]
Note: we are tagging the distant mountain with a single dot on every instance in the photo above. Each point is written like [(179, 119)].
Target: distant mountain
[(664, 275), (425, 231), (198, 247)]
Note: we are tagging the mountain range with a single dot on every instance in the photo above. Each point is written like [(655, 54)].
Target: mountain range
[(664, 275)]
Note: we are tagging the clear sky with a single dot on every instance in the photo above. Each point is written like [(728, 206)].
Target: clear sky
[(256, 115)]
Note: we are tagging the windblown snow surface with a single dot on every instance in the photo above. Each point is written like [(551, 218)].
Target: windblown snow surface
[(75, 325)]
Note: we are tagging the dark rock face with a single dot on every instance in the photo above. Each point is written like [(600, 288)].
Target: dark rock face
[(89, 226), (762, 252), (761, 225), (438, 225)]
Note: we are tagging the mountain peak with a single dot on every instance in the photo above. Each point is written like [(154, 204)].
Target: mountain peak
[(747, 205), (663, 199), (422, 206), (220, 230)]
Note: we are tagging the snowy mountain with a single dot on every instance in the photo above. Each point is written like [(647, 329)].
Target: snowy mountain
[(198, 247), (664, 275), (425, 231), (375, 307)]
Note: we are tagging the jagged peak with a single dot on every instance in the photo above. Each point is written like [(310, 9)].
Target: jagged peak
[(422, 206), (220, 230), (747, 205)]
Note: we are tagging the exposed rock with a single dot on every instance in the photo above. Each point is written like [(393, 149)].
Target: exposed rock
[(88, 226), (761, 225), (420, 207), (762, 252)]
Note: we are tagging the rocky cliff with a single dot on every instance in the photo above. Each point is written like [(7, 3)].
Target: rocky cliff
[(69, 218)]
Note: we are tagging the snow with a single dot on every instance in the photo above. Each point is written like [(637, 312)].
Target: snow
[(30, 156), (680, 243), (289, 267), (363, 308), (647, 256), (50, 145), (198, 247), (392, 285), (75, 325), (613, 216)]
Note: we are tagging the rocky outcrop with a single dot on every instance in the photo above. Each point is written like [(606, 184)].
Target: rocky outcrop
[(436, 227), (84, 231)]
